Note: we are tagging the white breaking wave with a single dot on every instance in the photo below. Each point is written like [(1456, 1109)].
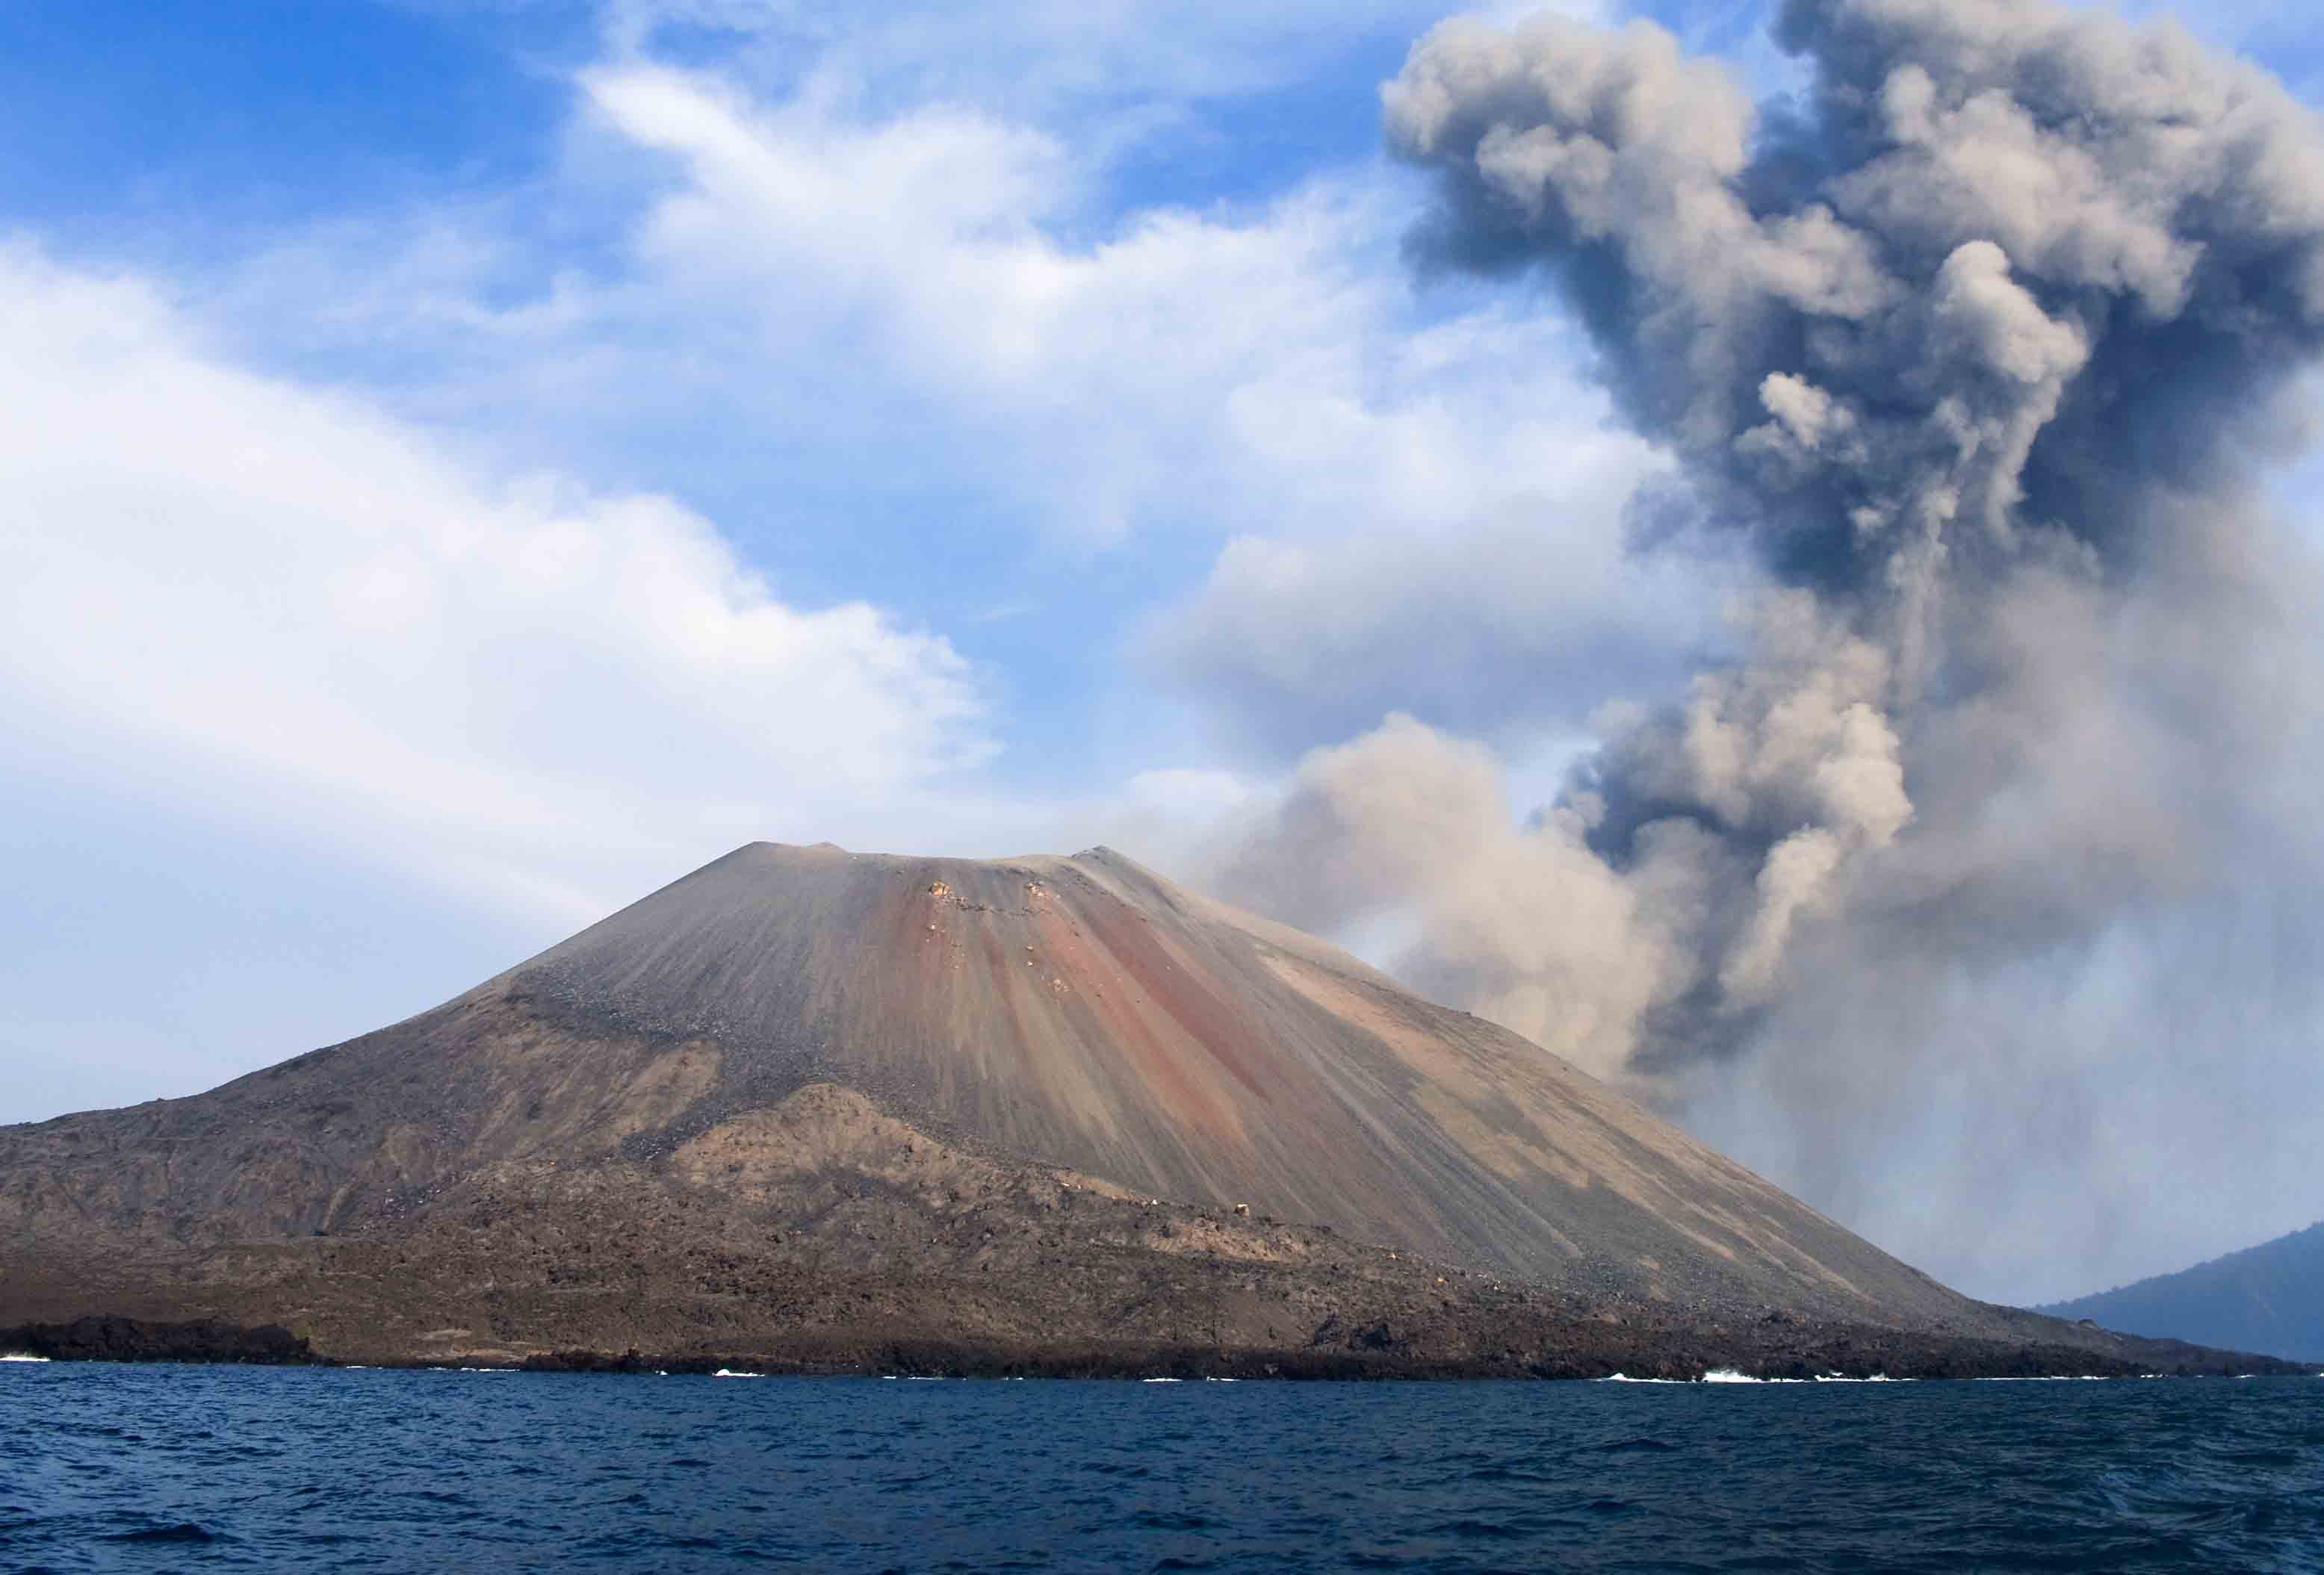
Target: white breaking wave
[(1730, 1376), (731, 1373), (20, 1357)]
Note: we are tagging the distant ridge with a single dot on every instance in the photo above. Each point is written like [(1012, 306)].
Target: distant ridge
[(2268, 1298)]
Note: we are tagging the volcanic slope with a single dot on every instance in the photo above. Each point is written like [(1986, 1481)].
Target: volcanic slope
[(803, 1092)]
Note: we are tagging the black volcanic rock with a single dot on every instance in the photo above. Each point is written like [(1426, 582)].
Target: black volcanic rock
[(2266, 1298), (817, 1110), (107, 1339)]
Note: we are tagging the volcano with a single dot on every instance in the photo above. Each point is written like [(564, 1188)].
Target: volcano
[(816, 1108)]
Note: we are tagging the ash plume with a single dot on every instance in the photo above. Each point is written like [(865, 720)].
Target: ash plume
[(1983, 347)]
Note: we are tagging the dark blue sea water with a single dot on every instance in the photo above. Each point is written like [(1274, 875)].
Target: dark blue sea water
[(168, 1468)]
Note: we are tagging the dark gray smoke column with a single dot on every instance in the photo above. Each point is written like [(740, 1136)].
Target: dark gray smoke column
[(1982, 349)]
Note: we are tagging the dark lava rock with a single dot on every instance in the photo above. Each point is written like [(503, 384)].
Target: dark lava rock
[(103, 1338)]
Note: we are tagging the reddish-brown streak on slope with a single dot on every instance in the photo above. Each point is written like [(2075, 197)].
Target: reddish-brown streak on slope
[(996, 960), (1206, 1019), (1005, 985), (908, 917), (1006, 1011), (1157, 1065), (933, 1012), (893, 931)]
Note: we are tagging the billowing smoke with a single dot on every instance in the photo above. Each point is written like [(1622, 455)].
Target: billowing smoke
[(1985, 348)]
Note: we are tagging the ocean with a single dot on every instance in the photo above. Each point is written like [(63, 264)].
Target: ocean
[(150, 1467)]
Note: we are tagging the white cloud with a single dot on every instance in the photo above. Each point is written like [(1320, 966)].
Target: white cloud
[(1030, 53), (835, 297), (285, 601), (1184, 369), (1505, 620), (1415, 513), (944, 292)]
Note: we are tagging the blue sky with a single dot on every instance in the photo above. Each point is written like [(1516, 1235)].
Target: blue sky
[(471, 462)]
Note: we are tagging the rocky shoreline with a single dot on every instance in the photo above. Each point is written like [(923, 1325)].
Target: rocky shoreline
[(107, 1339), (1152, 1363), (1669, 1356)]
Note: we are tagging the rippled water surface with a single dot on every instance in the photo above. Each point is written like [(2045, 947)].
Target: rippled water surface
[(159, 1468)]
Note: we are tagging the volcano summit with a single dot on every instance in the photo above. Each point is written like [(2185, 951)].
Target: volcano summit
[(813, 1108)]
